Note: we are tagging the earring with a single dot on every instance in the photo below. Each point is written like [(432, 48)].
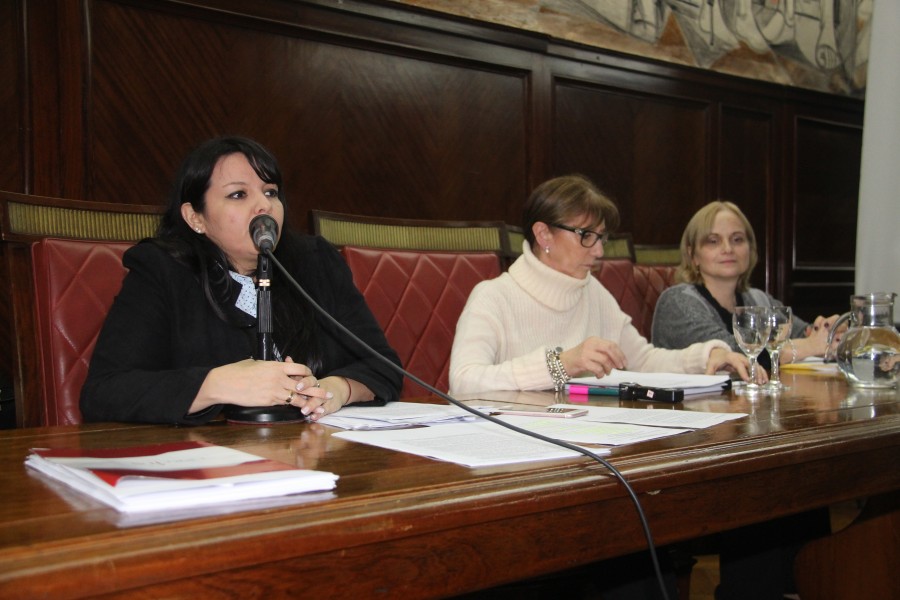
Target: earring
[(546, 249), (198, 230)]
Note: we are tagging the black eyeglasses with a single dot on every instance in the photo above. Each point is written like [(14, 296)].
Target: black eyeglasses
[(588, 238)]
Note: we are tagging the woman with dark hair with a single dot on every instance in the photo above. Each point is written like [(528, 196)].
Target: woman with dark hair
[(548, 318), (180, 339)]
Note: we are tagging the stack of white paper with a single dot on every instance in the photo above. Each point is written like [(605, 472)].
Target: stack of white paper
[(178, 475), (397, 415), (692, 384)]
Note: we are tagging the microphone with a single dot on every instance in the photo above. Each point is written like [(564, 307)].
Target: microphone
[(264, 232)]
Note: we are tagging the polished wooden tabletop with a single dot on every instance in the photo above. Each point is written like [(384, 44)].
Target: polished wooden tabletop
[(399, 525)]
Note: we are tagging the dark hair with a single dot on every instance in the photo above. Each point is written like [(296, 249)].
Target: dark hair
[(294, 333), (562, 198)]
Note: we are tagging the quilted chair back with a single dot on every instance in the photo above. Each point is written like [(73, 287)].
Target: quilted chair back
[(417, 297), (636, 288), (75, 282)]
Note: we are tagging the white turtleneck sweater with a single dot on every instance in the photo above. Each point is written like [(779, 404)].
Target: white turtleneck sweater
[(509, 322)]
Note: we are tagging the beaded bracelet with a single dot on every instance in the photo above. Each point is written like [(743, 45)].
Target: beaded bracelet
[(793, 351), (557, 370)]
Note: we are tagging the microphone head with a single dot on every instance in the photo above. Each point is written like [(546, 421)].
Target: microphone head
[(264, 232)]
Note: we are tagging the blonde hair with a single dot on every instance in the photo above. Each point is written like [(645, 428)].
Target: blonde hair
[(698, 228)]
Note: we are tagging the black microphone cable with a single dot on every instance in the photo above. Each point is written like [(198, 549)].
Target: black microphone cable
[(637, 504)]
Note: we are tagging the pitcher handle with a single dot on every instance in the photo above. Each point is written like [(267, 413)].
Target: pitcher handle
[(829, 347)]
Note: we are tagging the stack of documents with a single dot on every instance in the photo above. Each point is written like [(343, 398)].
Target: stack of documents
[(689, 383), (481, 443), (396, 415), (174, 476)]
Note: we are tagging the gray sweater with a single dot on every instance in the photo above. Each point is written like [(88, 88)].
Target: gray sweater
[(683, 317)]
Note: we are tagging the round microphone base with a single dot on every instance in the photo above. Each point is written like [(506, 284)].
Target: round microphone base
[(263, 415)]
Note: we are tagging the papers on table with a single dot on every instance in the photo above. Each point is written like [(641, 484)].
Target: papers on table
[(482, 443), (396, 415), (174, 476), (686, 419), (476, 444), (811, 365), (690, 383)]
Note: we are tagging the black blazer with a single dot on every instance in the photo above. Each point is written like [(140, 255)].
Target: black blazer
[(161, 338)]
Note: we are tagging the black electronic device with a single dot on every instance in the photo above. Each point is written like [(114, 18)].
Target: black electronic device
[(634, 391), (264, 233)]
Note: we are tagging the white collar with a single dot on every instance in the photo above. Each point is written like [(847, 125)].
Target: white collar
[(545, 284), (246, 300)]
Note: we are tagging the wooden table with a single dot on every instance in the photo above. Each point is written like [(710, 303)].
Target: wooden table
[(403, 526)]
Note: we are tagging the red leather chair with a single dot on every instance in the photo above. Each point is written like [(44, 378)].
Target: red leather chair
[(417, 298), (636, 288), (61, 268), (75, 282)]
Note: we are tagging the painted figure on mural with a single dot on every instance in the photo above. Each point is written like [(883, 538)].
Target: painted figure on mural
[(817, 44), (830, 36)]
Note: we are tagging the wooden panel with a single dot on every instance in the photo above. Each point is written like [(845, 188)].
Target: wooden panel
[(56, 65), (12, 166), (11, 101), (356, 130), (827, 165), (645, 151), (745, 178)]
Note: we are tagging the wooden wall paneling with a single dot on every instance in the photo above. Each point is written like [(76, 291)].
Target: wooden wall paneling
[(12, 157), (358, 127), (747, 166), (826, 165), (12, 102), (55, 34), (17, 260), (650, 153)]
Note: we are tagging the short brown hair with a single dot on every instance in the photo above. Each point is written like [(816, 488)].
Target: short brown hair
[(565, 197)]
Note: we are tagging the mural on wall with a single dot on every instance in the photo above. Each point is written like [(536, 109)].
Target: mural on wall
[(816, 44)]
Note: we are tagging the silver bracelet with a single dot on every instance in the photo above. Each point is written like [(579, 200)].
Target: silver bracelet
[(793, 351), (557, 370)]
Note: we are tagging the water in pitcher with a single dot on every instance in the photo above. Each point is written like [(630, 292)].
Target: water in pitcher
[(869, 352)]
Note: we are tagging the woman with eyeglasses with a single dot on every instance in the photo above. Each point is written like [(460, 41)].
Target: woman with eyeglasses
[(548, 319), (718, 253)]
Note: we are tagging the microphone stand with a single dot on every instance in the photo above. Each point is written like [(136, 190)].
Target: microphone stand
[(264, 415), (265, 347)]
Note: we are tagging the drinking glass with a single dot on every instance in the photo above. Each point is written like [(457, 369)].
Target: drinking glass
[(751, 331), (780, 323)]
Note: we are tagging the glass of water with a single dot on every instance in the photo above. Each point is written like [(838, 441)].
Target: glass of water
[(780, 321), (751, 331)]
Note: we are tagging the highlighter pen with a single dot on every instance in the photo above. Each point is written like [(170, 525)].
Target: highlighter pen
[(589, 390)]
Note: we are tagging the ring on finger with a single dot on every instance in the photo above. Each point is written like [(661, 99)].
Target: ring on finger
[(290, 398)]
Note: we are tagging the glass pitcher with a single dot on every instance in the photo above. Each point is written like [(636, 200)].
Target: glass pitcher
[(869, 351)]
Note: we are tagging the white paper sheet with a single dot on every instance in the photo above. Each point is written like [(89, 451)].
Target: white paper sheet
[(479, 444), (655, 417), (395, 415), (690, 383)]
